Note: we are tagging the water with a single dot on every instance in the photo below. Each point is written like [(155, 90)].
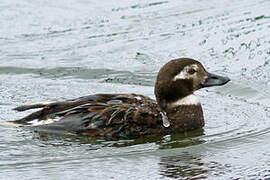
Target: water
[(55, 50)]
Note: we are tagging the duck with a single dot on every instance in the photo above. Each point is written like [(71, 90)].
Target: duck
[(123, 116)]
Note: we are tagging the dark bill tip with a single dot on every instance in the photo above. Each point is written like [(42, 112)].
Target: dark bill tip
[(215, 80)]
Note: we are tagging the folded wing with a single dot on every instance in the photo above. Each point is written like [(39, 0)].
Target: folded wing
[(95, 115)]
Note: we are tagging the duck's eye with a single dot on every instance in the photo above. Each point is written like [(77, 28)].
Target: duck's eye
[(191, 71)]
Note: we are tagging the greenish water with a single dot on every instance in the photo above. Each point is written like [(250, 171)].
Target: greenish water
[(54, 50)]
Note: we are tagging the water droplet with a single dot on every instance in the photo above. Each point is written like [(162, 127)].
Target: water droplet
[(165, 120)]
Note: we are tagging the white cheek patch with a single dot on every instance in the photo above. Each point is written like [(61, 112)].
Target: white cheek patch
[(188, 100), (184, 73)]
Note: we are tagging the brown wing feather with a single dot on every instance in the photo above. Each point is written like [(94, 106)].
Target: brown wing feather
[(54, 107)]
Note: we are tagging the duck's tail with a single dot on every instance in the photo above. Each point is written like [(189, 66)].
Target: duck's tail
[(47, 109), (32, 116), (32, 106)]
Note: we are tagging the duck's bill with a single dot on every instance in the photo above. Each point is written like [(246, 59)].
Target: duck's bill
[(215, 80)]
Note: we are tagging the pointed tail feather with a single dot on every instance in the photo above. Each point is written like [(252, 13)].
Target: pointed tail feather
[(30, 117), (32, 106)]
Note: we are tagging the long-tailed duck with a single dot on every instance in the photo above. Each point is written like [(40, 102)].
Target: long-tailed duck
[(176, 108)]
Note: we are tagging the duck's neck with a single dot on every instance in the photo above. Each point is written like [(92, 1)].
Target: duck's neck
[(185, 114), (185, 118)]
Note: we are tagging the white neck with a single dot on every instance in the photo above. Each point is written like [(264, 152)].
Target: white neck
[(188, 100)]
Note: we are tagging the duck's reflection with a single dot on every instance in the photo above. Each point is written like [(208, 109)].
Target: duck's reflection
[(180, 163), (184, 166), (163, 142)]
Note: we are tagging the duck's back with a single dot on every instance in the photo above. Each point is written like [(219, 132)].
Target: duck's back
[(107, 115)]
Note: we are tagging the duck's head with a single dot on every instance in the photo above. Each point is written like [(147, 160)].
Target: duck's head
[(179, 78)]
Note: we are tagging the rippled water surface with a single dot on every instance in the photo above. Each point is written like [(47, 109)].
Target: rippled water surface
[(55, 50)]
